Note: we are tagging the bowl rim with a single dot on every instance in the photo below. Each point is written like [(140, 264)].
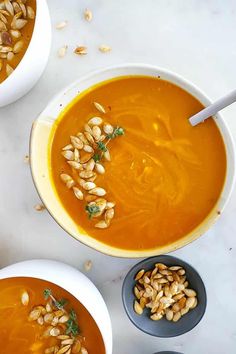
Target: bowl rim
[(141, 263), (38, 269), (198, 94)]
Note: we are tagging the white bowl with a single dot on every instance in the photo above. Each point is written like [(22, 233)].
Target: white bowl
[(40, 152), (74, 282), (32, 65)]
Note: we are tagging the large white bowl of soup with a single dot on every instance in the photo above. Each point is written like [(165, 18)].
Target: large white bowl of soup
[(25, 41), (119, 167), (50, 307)]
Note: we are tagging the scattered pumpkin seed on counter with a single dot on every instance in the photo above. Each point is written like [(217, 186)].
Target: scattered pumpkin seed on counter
[(85, 153), (164, 290)]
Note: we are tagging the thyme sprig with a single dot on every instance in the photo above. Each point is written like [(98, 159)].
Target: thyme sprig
[(102, 146), (72, 323), (92, 210), (118, 131), (60, 304)]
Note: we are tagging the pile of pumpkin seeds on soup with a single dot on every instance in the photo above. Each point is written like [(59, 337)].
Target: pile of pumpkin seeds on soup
[(58, 323), (85, 154)]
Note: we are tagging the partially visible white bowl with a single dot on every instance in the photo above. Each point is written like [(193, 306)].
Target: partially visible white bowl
[(32, 65), (74, 282)]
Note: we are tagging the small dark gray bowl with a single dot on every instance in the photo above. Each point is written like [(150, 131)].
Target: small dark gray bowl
[(168, 352), (164, 328)]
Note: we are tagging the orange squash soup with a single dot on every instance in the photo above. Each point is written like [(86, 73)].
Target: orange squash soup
[(142, 177), (17, 20), (38, 317)]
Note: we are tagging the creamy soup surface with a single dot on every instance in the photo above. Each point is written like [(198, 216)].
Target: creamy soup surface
[(165, 176)]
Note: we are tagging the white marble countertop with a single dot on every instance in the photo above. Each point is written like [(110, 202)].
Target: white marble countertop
[(194, 38)]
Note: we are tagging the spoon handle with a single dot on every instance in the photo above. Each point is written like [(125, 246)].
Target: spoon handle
[(213, 108)]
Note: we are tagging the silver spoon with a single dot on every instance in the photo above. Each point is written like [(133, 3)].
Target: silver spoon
[(213, 108)]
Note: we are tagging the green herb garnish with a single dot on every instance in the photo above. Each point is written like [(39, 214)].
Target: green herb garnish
[(91, 210), (73, 315), (97, 157), (47, 293), (60, 303), (118, 131), (102, 146), (72, 325)]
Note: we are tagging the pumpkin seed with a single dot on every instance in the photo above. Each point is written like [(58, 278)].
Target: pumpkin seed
[(9, 70), (88, 148), (76, 142), (190, 302), (54, 332), (169, 314), (104, 48), (88, 15), (156, 316), (18, 47), (89, 136), (110, 205), (101, 224), (25, 298), (81, 50), (137, 308), (61, 25), (62, 51), (107, 155), (82, 138), (18, 24), (96, 132), (10, 56), (30, 13), (34, 315), (64, 319), (190, 292), (15, 33), (139, 274), (89, 186), (86, 174), (68, 154), (64, 349), (78, 193), (67, 341), (95, 121), (90, 165), (76, 165), (99, 168), (99, 107), (108, 128), (176, 317), (100, 192), (88, 265), (40, 320), (9, 7)]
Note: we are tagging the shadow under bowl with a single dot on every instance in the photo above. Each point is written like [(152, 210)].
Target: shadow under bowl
[(164, 328)]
